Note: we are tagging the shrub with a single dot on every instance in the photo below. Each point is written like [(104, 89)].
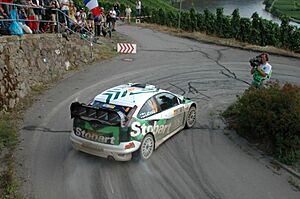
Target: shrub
[(271, 117)]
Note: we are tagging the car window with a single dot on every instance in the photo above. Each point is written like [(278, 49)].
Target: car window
[(149, 108), (166, 101), (124, 109)]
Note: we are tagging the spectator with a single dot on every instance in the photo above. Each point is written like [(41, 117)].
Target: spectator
[(54, 5), (128, 13), (78, 23), (109, 23), (22, 15), (117, 8), (113, 16), (6, 7), (72, 13), (138, 7), (82, 14), (64, 6), (32, 23), (90, 26), (101, 20), (3, 15), (38, 11)]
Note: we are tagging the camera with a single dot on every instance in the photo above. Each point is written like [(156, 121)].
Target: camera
[(256, 61)]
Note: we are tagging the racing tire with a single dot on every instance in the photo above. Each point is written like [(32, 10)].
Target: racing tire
[(191, 117), (146, 149)]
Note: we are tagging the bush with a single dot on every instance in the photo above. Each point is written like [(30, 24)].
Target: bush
[(271, 117)]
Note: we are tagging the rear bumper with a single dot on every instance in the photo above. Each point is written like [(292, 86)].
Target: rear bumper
[(118, 152)]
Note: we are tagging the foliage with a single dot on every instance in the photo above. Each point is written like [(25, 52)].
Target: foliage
[(235, 23), (254, 30), (270, 116), (282, 8)]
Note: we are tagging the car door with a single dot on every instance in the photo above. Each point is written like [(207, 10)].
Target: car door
[(171, 110)]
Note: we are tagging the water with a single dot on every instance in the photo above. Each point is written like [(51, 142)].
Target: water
[(246, 7)]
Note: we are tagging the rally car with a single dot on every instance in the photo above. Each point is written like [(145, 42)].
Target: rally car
[(130, 120)]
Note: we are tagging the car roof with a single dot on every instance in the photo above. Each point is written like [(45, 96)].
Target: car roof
[(129, 95)]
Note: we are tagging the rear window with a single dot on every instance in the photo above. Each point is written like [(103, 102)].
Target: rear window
[(124, 109)]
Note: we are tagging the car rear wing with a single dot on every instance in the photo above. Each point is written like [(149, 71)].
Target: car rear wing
[(89, 113)]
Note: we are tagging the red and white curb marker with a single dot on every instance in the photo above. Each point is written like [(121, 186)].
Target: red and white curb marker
[(126, 48)]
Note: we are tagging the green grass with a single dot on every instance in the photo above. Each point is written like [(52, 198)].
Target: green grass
[(290, 8), (8, 132), (8, 141)]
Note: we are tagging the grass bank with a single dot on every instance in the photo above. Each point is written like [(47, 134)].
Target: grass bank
[(289, 8)]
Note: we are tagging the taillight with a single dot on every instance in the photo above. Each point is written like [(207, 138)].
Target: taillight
[(129, 145)]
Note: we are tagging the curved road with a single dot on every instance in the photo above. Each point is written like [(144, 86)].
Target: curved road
[(203, 162)]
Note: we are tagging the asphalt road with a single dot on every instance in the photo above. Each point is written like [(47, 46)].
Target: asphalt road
[(203, 162)]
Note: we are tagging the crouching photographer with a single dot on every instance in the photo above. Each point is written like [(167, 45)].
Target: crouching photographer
[(261, 70)]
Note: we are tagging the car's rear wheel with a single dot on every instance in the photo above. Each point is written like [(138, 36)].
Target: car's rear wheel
[(191, 117), (146, 148)]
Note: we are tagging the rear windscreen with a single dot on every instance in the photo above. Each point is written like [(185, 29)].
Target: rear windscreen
[(124, 109)]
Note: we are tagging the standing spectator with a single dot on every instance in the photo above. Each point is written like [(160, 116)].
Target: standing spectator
[(113, 16), (64, 6), (109, 23), (54, 5), (38, 11), (97, 22), (128, 13), (72, 13), (138, 7), (117, 8), (32, 23), (101, 22)]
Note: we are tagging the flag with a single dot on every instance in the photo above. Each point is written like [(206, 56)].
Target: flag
[(92, 6)]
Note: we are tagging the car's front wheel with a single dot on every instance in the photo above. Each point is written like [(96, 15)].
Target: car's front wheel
[(191, 117), (146, 148)]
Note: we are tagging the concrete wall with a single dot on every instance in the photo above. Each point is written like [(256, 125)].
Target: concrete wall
[(32, 59)]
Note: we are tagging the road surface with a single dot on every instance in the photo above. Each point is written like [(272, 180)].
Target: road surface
[(203, 162)]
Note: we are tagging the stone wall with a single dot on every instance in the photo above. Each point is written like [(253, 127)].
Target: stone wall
[(32, 59)]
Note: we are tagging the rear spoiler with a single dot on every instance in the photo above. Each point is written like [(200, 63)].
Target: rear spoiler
[(89, 113)]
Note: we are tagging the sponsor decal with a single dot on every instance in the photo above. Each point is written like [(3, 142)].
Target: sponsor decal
[(94, 136), (138, 128)]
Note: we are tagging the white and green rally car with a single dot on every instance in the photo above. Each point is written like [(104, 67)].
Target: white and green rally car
[(129, 120)]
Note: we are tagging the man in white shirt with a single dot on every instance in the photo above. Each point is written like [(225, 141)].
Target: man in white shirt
[(262, 72), (138, 7)]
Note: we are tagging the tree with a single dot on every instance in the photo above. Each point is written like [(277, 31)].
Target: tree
[(193, 17), (245, 30), (200, 22), (220, 22), (255, 29), (235, 23), (209, 19)]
